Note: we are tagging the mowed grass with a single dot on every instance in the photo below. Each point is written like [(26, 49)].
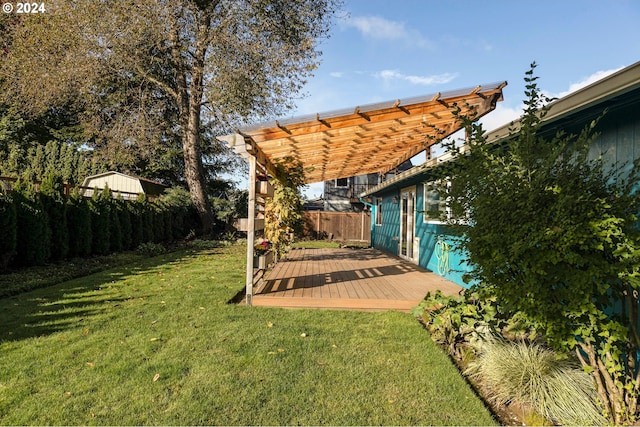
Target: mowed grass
[(156, 343)]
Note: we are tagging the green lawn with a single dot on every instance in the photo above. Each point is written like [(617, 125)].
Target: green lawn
[(156, 343)]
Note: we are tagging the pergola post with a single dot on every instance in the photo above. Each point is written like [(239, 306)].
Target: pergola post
[(251, 229)]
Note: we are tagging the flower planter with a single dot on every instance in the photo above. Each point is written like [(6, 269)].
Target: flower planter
[(261, 262), (264, 188)]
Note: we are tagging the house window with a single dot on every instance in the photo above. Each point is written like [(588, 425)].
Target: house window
[(342, 182), (379, 211), (435, 207)]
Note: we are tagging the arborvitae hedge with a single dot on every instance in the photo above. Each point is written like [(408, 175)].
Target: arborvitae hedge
[(33, 233), (53, 200), (37, 228), (136, 212), (8, 229), (124, 217), (79, 225), (100, 219)]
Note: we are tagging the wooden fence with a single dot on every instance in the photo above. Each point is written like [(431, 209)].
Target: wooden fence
[(343, 226)]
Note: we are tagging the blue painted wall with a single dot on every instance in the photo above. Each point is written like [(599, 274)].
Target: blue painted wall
[(619, 139), (438, 251), (385, 237)]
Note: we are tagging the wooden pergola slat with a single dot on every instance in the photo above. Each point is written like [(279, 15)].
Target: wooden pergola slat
[(374, 138), (400, 127)]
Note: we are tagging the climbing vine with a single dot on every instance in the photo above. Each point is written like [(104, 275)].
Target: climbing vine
[(283, 213)]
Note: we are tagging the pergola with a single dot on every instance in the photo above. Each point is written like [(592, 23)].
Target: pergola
[(374, 138)]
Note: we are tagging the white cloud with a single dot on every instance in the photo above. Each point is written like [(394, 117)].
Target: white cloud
[(390, 75), (375, 27), (336, 74), (598, 75), (378, 28), (501, 116)]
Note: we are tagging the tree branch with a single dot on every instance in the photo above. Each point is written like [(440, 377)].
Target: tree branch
[(155, 81)]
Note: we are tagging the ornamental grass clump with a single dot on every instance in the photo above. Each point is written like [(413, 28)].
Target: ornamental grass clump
[(533, 376)]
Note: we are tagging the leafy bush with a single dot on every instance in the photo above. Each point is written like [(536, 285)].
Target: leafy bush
[(151, 249), (555, 235), (534, 376), (461, 323)]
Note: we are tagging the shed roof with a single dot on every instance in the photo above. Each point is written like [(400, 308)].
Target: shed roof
[(148, 186), (373, 138)]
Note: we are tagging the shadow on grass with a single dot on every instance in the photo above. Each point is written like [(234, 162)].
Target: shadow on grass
[(70, 304)]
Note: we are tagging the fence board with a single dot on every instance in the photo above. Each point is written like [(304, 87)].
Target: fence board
[(344, 226)]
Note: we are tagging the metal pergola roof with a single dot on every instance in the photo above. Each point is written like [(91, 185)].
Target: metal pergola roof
[(374, 138)]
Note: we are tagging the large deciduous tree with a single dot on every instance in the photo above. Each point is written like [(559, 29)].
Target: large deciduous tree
[(155, 73)]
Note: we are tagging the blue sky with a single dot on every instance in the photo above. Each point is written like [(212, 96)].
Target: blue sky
[(384, 50)]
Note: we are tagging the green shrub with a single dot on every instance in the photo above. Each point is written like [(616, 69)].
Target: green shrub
[(33, 233), (460, 323), (124, 218), (151, 249), (115, 228), (147, 219), (54, 202), (160, 230), (8, 231), (100, 216), (534, 376), (57, 223), (184, 217), (137, 223), (79, 224), (553, 229)]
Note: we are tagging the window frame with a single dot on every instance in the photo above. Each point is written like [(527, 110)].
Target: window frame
[(443, 205), (341, 186)]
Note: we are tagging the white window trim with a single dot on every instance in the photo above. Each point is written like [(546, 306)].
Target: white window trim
[(447, 209), (378, 211)]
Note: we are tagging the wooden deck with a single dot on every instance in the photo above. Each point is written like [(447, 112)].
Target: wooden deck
[(348, 279)]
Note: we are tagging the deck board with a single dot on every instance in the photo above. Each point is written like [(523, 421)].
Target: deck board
[(348, 279)]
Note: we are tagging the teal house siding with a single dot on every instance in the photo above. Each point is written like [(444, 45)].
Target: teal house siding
[(385, 236), (437, 246), (441, 259), (619, 136)]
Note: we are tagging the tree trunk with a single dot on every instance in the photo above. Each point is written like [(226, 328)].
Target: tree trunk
[(194, 171), (190, 101)]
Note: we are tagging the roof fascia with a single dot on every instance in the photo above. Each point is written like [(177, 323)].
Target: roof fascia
[(616, 84)]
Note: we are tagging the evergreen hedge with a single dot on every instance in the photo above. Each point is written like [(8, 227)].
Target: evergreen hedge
[(36, 228), (8, 229)]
